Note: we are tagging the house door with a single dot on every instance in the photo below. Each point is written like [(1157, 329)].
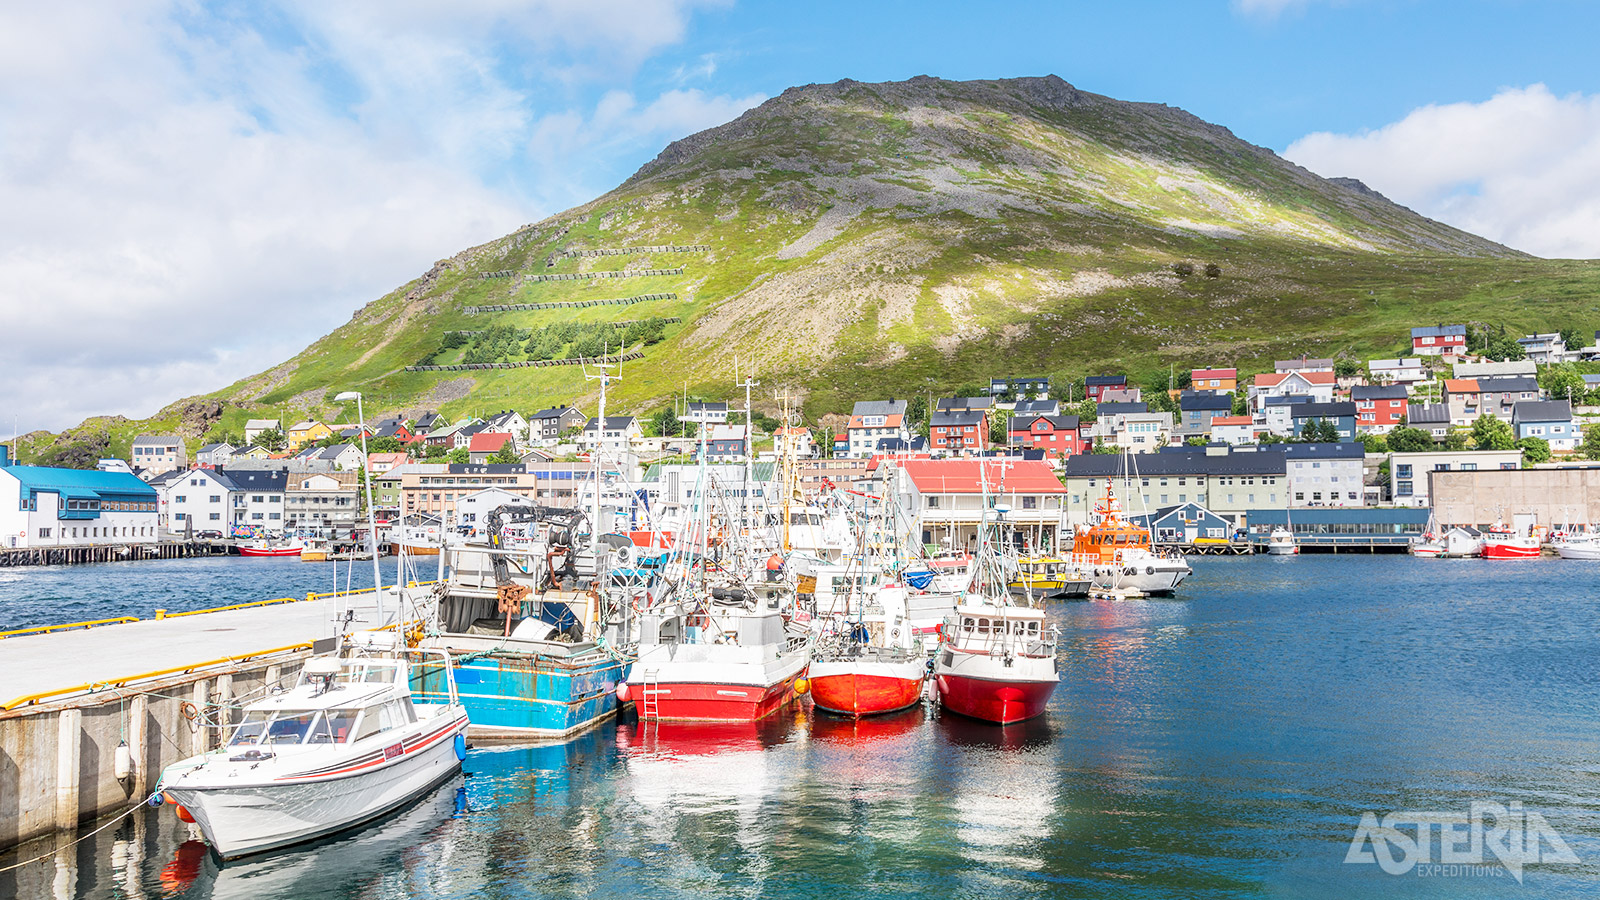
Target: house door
[(1190, 532)]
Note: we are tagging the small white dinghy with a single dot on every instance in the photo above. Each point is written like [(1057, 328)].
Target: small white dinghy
[(344, 746)]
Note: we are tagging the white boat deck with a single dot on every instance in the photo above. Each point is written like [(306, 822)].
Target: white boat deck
[(33, 664)]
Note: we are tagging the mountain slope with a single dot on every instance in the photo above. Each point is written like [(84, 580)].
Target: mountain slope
[(873, 239)]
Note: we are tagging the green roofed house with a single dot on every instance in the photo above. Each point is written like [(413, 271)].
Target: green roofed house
[(48, 507)]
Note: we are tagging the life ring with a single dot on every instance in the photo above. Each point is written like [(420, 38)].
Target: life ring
[(1149, 570), (894, 634), (1130, 571)]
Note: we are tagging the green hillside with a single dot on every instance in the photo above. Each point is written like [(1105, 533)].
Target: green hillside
[(869, 240)]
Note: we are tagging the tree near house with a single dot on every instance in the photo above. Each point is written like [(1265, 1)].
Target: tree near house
[(1562, 381), (1195, 440), (272, 439), (1405, 439), (1373, 443), (1574, 338), (1490, 433), (1590, 448), (1534, 451), (1347, 367), (1241, 403), (458, 455), (384, 445), (1088, 411), (506, 455), (1456, 439)]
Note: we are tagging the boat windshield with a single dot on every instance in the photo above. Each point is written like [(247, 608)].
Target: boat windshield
[(263, 727)]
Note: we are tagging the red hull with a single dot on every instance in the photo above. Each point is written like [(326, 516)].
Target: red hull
[(285, 551), (1001, 702), (715, 702), (856, 694), (1510, 551)]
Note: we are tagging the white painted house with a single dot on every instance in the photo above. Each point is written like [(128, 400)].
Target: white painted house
[(200, 500)]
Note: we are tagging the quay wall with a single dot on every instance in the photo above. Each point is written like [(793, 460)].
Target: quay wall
[(58, 761), (1556, 495), (96, 553)]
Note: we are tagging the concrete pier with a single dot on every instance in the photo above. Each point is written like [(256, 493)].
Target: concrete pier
[(163, 687)]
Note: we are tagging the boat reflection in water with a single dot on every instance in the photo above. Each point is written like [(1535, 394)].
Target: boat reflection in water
[(347, 865)]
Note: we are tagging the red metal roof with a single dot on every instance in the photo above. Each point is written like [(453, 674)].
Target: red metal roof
[(1230, 420), (488, 442), (1461, 385), (961, 476), (1198, 374)]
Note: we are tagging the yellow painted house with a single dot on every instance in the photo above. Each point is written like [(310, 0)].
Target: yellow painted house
[(303, 433)]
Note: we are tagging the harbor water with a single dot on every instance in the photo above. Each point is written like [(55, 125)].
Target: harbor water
[(32, 596), (1223, 743)]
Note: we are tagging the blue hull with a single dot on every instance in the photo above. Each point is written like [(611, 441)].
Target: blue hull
[(518, 695)]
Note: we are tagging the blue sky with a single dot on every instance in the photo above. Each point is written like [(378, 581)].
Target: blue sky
[(198, 190)]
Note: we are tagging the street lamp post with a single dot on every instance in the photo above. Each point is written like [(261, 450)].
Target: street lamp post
[(366, 479)]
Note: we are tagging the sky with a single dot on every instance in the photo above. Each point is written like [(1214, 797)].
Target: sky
[(192, 192)]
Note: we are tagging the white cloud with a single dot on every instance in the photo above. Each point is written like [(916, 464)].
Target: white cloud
[(193, 194), (1522, 167), (618, 121)]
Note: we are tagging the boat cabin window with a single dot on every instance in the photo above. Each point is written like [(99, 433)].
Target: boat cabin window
[(334, 727), (983, 626), (250, 729), (288, 728), (371, 723), (968, 624), (369, 674)]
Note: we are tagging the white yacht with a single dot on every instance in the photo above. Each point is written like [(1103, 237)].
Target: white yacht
[(345, 745)]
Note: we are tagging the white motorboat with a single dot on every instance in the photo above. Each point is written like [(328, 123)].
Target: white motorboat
[(1281, 543), (1585, 545), (345, 745)]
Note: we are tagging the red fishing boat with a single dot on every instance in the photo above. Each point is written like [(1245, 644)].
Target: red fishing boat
[(870, 668), (1503, 542), (996, 663), (272, 548)]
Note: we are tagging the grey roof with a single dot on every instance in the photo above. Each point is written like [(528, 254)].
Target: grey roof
[(947, 418), (1334, 410), (1428, 414), (1319, 450), (1304, 362), (1105, 380), (613, 423), (708, 405), (258, 479), (1378, 392), (1205, 400), (334, 451), (1507, 383), (156, 440), (1195, 462), (964, 403), (879, 408), (486, 468), (1542, 411), (554, 412), (428, 419), (1121, 409), (1438, 330), (1063, 423), (1037, 407), (1287, 399), (213, 447), (900, 445)]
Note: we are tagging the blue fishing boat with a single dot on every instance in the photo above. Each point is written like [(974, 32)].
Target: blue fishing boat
[(538, 642)]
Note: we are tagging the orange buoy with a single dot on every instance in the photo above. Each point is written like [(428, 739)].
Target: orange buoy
[(183, 814), (801, 685)]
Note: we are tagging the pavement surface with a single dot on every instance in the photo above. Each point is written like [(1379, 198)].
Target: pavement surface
[(35, 663)]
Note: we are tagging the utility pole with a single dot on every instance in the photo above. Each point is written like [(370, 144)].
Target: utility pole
[(749, 451)]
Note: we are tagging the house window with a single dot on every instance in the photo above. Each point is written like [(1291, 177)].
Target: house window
[(182, 498), (1402, 489), (1030, 502), (933, 502), (215, 517), (44, 532)]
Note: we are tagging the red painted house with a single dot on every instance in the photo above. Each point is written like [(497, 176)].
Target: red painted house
[(959, 431), (1379, 407), (1056, 435), (1439, 340), (1094, 385)]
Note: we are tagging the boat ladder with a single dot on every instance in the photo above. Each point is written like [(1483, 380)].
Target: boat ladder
[(650, 695)]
